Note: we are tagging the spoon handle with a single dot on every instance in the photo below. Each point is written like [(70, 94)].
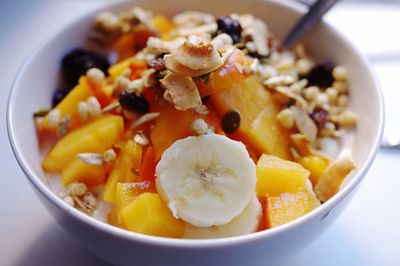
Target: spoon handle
[(315, 12)]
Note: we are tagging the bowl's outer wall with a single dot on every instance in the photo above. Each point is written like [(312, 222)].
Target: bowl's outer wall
[(39, 74)]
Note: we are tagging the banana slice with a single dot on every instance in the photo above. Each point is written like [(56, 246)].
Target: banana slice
[(247, 222), (206, 180)]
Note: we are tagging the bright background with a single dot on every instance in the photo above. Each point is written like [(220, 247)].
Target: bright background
[(367, 233)]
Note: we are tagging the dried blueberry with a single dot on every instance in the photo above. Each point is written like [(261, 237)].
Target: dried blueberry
[(78, 61), (321, 75), (231, 27), (230, 122), (133, 103), (60, 94), (320, 117), (157, 63)]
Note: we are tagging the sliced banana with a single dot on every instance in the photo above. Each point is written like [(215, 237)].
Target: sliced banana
[(206, 180), (247, 222)]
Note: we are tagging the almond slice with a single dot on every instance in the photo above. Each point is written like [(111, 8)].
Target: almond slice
[(181, 91)]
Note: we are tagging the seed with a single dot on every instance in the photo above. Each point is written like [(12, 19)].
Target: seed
[(95, 75), (321, 100), (231, 27), (94, 107), (54, 118), (332, 94), (76, 189), (311, 93), (347, 118), (134, 103), (285, 117), (69, 200), (83, 110), (340, 86), (199, 126), (339, 73), (343, 101), (230, 122), (109, 156)]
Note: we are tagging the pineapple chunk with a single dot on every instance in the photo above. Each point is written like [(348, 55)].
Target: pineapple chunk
[(276, 176), (149, 215), (95, 137), (78, 171), (286, 207), (69, 105), (123, 170)]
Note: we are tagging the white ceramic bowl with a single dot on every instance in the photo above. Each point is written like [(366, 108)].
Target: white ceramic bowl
[(36, 81)]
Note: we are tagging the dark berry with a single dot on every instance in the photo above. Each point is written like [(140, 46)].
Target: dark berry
[(60, 94), (230, 122), (320, 117), (77, 62), (231, 27), (321, 75), (133, 103), (157, 63)]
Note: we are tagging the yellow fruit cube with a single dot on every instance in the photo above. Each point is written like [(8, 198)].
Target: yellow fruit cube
[(78, 171), (149, 215), (289, 206), (95, 137), (69, 105), (276, 176), (315, 164), (123, 170)]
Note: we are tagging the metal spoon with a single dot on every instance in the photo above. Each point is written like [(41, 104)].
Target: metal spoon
[(314, 14)]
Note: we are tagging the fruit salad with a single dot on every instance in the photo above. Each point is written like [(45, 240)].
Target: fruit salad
[(194, 126)]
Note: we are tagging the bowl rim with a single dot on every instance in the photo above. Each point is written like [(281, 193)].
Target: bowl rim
[(191, 243)]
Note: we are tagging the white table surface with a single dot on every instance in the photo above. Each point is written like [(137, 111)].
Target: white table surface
[(367, 233)]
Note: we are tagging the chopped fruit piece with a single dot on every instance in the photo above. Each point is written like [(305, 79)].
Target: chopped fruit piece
[(329, 182), (266, 134), (78, 171), (148, 168), (316, 165), (286, 207), (148, 214), (94, 137), (100, 93), (301, 144), (259, 127), (173, 124), (69, 105), (163, 25), (124, 46), (114, 218), (276, 176), (119, 68), (126, 169)]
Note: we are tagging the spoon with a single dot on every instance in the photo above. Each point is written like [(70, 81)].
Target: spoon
[(305, 23)]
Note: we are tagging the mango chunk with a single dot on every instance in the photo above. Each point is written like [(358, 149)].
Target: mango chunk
[(69, 105), (78, 171), (126, 169), (148, 214), (94, 137), (276, 176), (286, 207), (316, 165)]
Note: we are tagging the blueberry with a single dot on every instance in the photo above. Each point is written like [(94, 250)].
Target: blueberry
[(60, 94), (230, 122), (321, 75), (231, 27), (133, 103), (78, 61)]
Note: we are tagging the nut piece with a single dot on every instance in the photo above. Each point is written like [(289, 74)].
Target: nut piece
[(285, 117), (259, 34), (109, 156), (54, 118), (141, 139), (69, 200), (96, 75), (199, 126), (347, 119), (94, 106), (304, 123), (83, 111), (182, 91), (76, 189), (197, 56), (157, 46)]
